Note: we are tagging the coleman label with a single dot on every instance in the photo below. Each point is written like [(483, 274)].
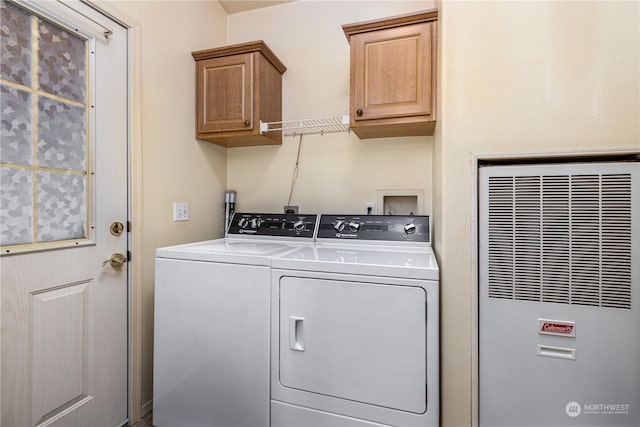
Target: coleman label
[(555, 327)]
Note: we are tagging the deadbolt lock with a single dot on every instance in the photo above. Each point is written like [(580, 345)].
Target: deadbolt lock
[(116, 228)]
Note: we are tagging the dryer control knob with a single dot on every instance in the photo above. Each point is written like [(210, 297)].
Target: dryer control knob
[(410, 228), (354, 226), (339, 225), (299, 225), (255, 223), (243, 222)]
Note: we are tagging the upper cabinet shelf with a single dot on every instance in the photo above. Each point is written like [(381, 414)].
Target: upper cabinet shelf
[(393, 75), (237, 87)]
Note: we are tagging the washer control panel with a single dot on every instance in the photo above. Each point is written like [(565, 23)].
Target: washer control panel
[(281, 225), (393, 228)]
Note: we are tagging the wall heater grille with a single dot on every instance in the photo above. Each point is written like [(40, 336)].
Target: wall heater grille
[(560, 239)]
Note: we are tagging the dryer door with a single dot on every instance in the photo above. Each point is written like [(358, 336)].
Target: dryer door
[(359, 341)]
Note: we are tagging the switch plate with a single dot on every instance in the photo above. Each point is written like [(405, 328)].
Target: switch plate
[(181, 211)]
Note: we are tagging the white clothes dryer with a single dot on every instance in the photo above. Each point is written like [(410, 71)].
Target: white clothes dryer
[(355, 326), (212, 314)]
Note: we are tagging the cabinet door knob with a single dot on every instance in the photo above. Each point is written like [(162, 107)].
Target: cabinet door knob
[(246, 123), (359, 112)]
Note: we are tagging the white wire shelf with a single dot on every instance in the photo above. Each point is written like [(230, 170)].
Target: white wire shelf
[(307, 126)]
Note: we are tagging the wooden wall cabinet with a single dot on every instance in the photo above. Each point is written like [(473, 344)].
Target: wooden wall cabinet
[(393, 75), (237, 86)]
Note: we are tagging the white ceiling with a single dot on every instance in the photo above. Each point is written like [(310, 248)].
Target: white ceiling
[(235, 6)]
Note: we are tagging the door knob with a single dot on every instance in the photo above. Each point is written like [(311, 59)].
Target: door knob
[(116, 260)]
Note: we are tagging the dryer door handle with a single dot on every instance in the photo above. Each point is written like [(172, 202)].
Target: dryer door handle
[(296, 333)]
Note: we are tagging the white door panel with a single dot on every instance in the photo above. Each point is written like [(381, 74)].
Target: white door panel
[(64, 315), (337, 338)]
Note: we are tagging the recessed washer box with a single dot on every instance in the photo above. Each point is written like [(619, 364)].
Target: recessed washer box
[(400, 202)]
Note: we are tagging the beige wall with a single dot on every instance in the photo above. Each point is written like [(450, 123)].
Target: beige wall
[(338, 172), (514, 77), (519, 77), (175, 166)]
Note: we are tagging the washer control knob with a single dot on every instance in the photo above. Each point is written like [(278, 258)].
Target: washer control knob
[(299, 225), (339, 225), (243, 222), (354, 226), (410, 228), (255, 223)]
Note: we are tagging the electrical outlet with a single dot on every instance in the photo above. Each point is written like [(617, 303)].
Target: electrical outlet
[(291, 209), (181, 211), (370, 208)]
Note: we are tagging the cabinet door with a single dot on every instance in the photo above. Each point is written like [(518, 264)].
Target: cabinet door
[(225, 93), (392, 72)]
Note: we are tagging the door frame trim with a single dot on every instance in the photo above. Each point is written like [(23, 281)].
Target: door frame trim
[(134, 191)]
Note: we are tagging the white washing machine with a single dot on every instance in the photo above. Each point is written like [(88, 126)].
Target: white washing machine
[(212, 314), (355, 326)]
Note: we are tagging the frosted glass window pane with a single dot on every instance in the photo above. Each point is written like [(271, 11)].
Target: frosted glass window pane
[(44, 121), (61, 206), (15, 44), (61, 58), (61, 135), (16, 206), (16, 134)]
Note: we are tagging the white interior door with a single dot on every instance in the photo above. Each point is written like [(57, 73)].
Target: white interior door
[(64, 182)]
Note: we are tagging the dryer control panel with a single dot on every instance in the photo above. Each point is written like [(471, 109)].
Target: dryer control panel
[(392, 228), (279, 225)]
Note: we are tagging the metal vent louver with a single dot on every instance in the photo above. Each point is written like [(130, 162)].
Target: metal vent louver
[(560, 239)]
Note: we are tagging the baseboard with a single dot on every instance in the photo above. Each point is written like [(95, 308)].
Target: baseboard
[(146, 407)]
